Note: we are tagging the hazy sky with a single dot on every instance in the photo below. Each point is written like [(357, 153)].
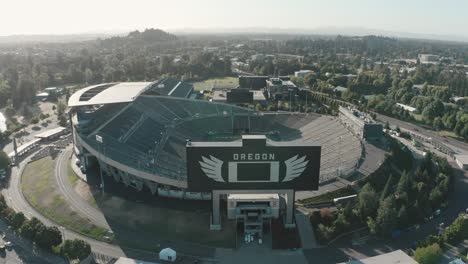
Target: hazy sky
[(446, 17)]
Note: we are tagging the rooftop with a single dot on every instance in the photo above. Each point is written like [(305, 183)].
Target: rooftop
[(258, 196), (50, 132), (108, 93), (395, 257), (462, 158)]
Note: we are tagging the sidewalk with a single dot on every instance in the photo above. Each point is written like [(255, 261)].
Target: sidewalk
[(305, 229), (452, 252), (76, 169)]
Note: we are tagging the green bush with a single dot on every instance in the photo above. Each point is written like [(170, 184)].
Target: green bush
[(75, 249), (457, 231), (428, 255)]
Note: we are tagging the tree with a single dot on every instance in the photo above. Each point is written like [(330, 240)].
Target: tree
[(88, 76), (5, 93), (4, 160), (367, 202), (31, 227), (387, 125), (48, 237), (388, 189), (402, 217), (62, 120), (75, 249), (16, 220), (386, 219), (457, 231), (403, 187), (428, 255)]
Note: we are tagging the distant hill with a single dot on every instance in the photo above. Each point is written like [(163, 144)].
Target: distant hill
[(137, 38), (51, 38), (149, 36)]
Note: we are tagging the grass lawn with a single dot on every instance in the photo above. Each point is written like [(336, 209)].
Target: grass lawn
[(72, 177), (40, 189), (417, 117), (449, 134), (329, 196), (222, 81)]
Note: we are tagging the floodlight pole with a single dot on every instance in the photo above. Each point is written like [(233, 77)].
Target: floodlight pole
[(100, 141)]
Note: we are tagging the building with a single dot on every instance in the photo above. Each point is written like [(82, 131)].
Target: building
[(289, 57), (51, 133), (253, 210), (123, 260), (138, 136), (408, 108), (54, 91), (360, 123), (253, 82), (395, 257), (171, 87), (278, 88), (302, 73), (257, 57), (340, 89), (42, 96), (238, 96), (428, 58), (462, 161)]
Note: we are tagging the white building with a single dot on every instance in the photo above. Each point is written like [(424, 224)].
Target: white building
[(407, 108), (302, 73), (462, 161), (428, 58), (395, 257)]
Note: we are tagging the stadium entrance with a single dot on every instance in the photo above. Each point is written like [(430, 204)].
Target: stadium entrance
[(252, 175)]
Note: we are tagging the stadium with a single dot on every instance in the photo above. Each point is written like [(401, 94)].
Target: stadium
[(137, 133)]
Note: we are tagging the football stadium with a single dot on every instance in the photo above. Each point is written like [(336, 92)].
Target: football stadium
[(137, 133)]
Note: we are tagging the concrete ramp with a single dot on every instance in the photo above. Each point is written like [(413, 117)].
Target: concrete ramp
[(306, 231)]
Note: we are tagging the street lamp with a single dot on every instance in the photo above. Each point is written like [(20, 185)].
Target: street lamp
[(62, 229), (100, 141), (290, 101)]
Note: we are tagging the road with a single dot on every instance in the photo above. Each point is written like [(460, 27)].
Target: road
[(459, 146), (23, 251), (17, 201), (77, 203)]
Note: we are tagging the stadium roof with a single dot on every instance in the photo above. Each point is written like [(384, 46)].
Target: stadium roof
[(108, 93)]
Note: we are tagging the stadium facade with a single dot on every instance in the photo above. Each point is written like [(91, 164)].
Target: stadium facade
[(137, 133)]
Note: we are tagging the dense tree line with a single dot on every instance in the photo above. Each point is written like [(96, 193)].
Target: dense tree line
[(138, 56), (392, 198), (47, 237)]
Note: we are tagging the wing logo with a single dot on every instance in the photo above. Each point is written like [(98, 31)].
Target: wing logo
[(212, 168), (295, 166)]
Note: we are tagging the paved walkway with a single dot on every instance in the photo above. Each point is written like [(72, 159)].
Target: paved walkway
[(305, 230), (452, 252), (259, 254), (76, 169)]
